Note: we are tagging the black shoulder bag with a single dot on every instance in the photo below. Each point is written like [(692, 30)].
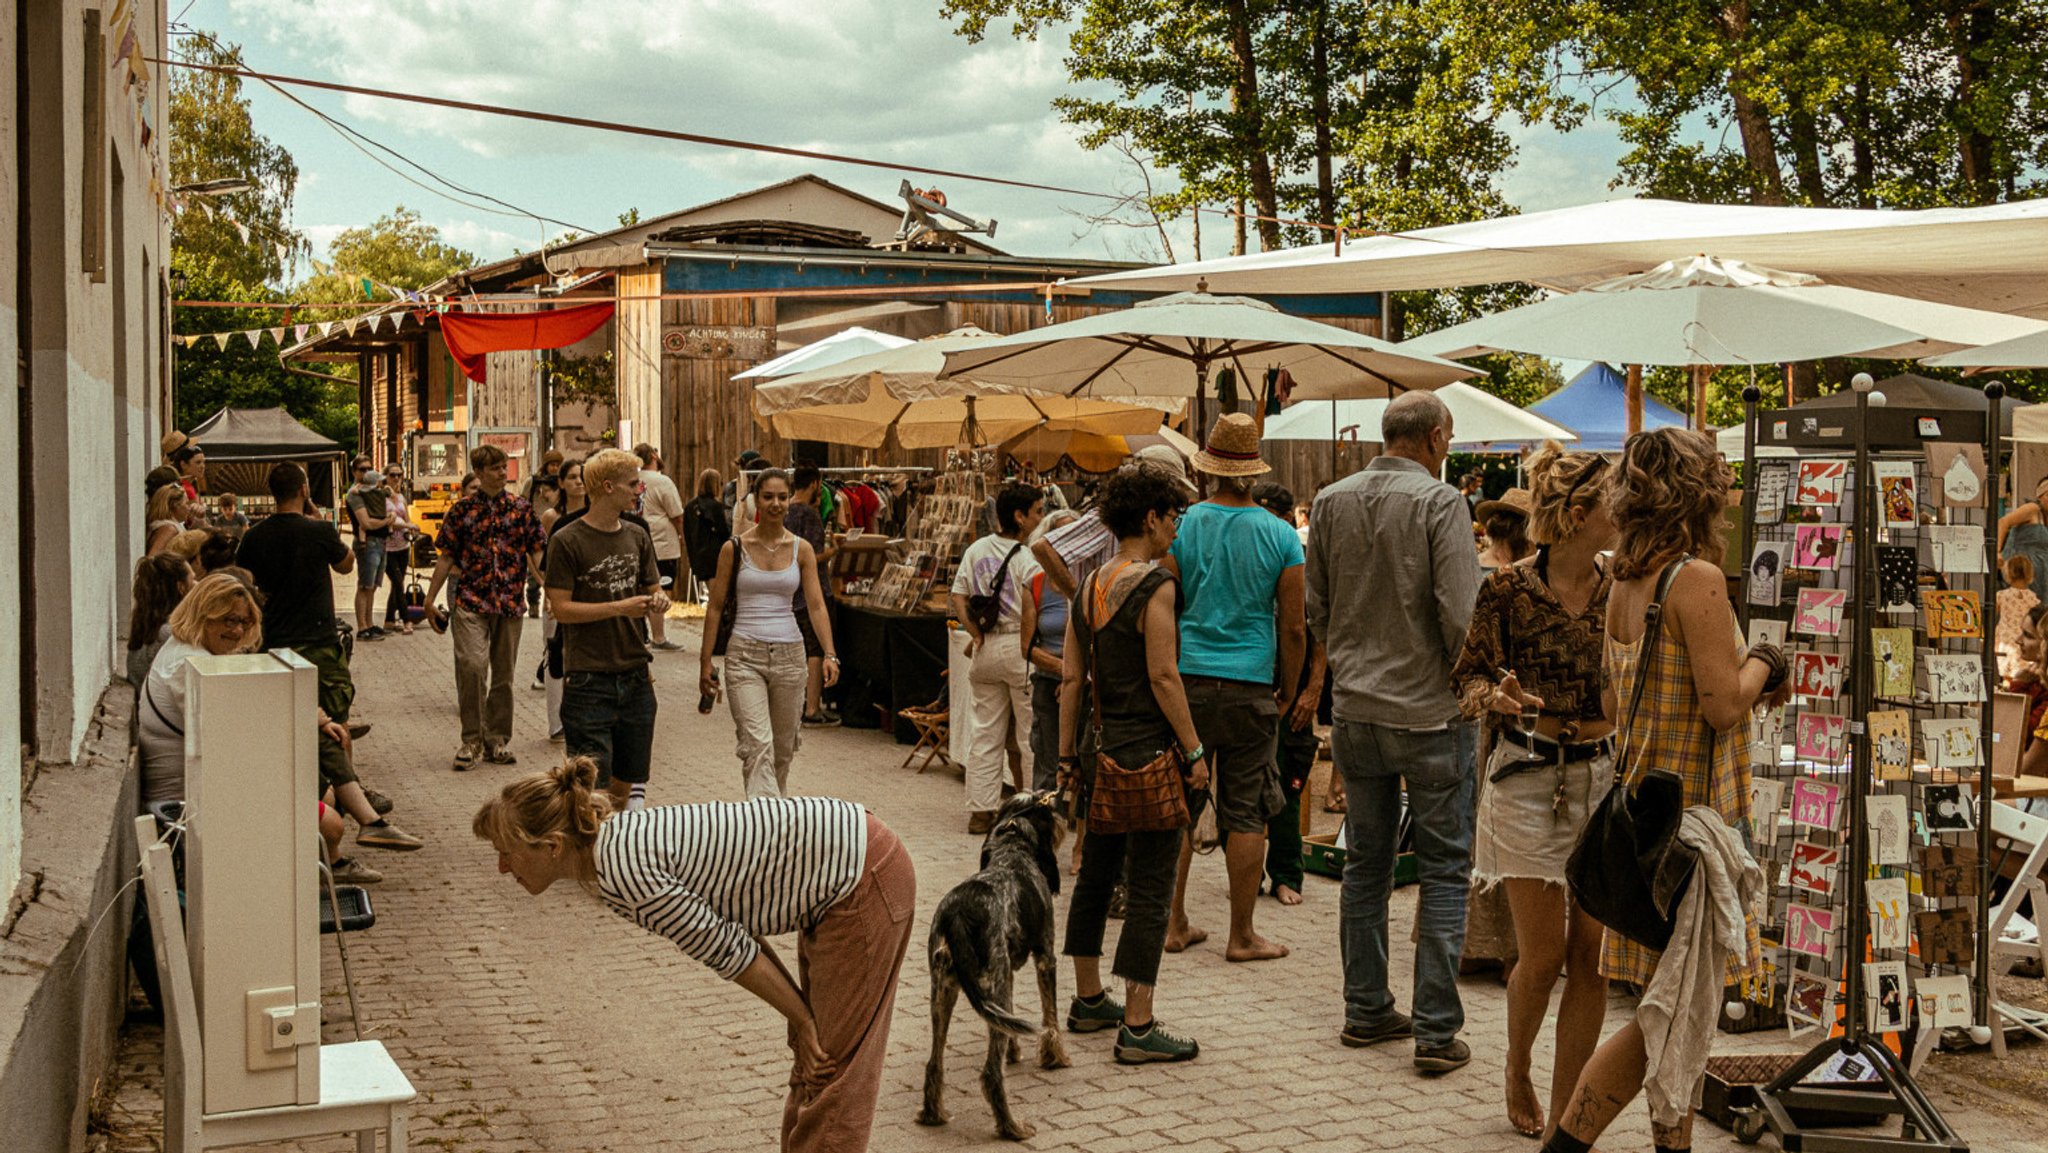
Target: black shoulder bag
[(730, 611), (1628, 869), (986, 609)]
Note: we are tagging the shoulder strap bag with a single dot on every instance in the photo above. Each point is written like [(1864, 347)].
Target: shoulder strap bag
[(1147, 799), (1628, 869), (986, 609), (730, 611)]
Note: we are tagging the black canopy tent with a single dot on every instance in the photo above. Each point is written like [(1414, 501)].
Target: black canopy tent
[(242, 443)]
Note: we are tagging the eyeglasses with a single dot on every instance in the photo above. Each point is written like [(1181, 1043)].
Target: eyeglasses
[(234, 624)]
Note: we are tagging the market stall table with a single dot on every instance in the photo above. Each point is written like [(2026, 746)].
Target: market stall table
[(889, 661)]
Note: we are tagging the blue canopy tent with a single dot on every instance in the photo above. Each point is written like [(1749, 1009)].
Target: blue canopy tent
[(1593, 405)]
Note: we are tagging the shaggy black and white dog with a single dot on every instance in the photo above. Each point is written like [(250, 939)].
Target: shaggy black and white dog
[(982, 933)]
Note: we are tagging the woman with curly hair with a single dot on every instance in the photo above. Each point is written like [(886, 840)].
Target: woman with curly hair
[(161, 581), (1534, 647), (719, 880), (1667, 499), (166, 513)]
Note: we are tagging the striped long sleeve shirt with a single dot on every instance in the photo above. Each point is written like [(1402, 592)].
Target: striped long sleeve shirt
[(714, 877)]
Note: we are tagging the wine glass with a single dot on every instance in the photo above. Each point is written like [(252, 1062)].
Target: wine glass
[(1525, 722)]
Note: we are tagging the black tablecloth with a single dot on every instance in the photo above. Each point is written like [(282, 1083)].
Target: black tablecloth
[(888, 661)]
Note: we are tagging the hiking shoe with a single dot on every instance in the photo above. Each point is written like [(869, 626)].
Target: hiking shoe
[(467, 756), (349, 871), (1396, 1027), (666, 647), (369, 635), (500, 756), (378, 801), (1106, 1013), (1452, 1054), (1154, 1044), (820, 721), (385, 835)]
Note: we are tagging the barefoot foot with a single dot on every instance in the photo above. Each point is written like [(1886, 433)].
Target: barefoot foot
[(1256, 949), (1180, 939), (1524, 1113), (1287, 894)]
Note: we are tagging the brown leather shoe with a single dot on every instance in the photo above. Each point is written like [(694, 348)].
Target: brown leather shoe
[(978, 823)]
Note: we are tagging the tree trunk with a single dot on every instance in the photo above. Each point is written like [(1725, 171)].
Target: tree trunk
[(1632, 399), (1862, 164), (1806, 167), (1319, 108), (1237, 241), (1751, 118), (1972, 33), (1245, 98)]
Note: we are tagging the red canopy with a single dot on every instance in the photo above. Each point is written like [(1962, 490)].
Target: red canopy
[(470, 335)]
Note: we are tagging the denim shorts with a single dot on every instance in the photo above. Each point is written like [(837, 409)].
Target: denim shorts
[(370, 561), (609, 717)]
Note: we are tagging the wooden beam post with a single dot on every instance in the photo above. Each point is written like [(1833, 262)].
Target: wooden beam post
[(1700, 373), (1632, 391)]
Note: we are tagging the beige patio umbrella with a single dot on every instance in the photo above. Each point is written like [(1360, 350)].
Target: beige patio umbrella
[(862, 401)]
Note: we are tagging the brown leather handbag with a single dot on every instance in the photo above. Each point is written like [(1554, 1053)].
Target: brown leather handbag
[(1148, 799)]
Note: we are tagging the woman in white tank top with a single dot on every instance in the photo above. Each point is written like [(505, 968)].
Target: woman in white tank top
[(761, 572)]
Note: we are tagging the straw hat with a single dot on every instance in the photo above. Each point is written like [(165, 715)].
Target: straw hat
[(1233, 448), (1166, 461), (1514, 500)]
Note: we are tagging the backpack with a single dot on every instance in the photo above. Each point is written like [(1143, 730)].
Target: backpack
[(706, 528)]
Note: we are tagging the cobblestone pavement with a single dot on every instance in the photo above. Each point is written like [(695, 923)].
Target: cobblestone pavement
[(551, 1024)]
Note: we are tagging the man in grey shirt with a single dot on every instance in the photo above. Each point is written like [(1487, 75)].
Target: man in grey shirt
[(1392, 576)]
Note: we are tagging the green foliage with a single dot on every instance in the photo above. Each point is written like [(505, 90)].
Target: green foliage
[(210, 378), (397, 249), (589, 379), (213, 138)]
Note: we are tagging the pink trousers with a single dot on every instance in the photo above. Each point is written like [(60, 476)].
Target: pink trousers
[(848, 967)]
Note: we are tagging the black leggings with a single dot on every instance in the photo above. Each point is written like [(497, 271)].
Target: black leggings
[(395, 569), (1152, 860)]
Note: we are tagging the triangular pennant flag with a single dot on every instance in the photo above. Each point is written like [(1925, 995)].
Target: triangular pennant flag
[(255, 336), (320, 266), (299, 332), (351, 323), (277, 334), (242, 230), (369, 288), (327, 328), (375, 321), (220, 340)]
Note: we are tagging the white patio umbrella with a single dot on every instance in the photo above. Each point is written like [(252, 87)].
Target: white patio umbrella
[(2028, 351), (1170, 346), (1708, 311), (863, 400), (834, 349), (1478, 419)]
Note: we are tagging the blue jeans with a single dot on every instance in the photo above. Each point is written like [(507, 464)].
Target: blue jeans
[(1438, 768)]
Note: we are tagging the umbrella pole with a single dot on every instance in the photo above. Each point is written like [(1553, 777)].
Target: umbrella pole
[(1333, 441), (1200, 432)]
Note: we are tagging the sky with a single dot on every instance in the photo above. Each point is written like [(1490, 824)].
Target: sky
[(885, 79)]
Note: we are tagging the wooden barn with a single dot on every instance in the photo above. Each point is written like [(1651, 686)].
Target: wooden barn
[(702, 294)]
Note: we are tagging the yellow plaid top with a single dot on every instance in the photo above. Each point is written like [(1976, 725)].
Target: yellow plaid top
[(1670, 732)]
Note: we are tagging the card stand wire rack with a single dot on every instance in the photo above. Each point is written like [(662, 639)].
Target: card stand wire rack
[(1830, 785)]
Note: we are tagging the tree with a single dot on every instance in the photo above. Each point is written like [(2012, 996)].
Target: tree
[(210, 377), (246, 236), (398, 249)]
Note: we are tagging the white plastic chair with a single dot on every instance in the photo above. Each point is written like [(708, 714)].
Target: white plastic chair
[(2026, 835), (362, 1090)]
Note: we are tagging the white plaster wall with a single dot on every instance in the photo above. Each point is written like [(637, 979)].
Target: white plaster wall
[(10, 439)]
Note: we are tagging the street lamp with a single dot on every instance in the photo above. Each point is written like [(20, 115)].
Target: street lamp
[(220, 187)]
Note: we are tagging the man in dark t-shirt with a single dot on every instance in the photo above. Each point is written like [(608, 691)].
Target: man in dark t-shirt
[(601, 582), (290, 556), (807, 522)]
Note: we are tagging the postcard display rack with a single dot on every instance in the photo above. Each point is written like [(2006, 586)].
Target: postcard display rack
[(1871, 566), (943, 524)]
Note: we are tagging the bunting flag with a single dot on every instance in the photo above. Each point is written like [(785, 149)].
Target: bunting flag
[(327, 328), (321, 267), (369, 288), (375, 320), (299, 333), (220, 340), (255, 337), (277, 334)]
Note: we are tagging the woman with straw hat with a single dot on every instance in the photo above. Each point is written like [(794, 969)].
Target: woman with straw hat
[(1506, 520)]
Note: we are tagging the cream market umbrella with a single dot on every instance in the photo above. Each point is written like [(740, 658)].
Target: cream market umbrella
[(2028, 351), (1708, 311), (1171, 346), (834, 349), (1042, 448), (1479, 420), (862, 401)]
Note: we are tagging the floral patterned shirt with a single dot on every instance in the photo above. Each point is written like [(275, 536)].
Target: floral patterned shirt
[(488, 540)]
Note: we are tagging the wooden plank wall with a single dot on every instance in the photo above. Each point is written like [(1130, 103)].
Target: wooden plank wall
[(707, 417), (507, 397), (637, 360)]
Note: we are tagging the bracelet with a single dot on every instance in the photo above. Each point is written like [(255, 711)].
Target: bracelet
[(833, 657), (1194, 754)]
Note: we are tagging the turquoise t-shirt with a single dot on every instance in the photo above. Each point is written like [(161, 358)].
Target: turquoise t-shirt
[(1230, 559)]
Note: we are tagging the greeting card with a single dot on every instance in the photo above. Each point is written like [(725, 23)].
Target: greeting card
[(1957, 472), (1944, 1002), (1955, 678), (1886, 899), (1958, 548), (1773, 480), (1815, 803), (1813, 868), (1820, 612), (1891, 743), (1948, 871), (1766, 632), (1767, 735), (1820, 737), (1898, 578), (1806, 998), (1953, 614), (1807, 929), (1948, 808), (1817, 546), (1820, 481), (1891, 652), (1897, 498), (1944, 936), (1884, 989), (1766, 570), (1885, 815), (1816, 676), (1951, 742), (1766, 804)]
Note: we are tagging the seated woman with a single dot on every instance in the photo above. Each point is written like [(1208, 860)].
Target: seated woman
[(161, 581), (718, 880), (219, 616)]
